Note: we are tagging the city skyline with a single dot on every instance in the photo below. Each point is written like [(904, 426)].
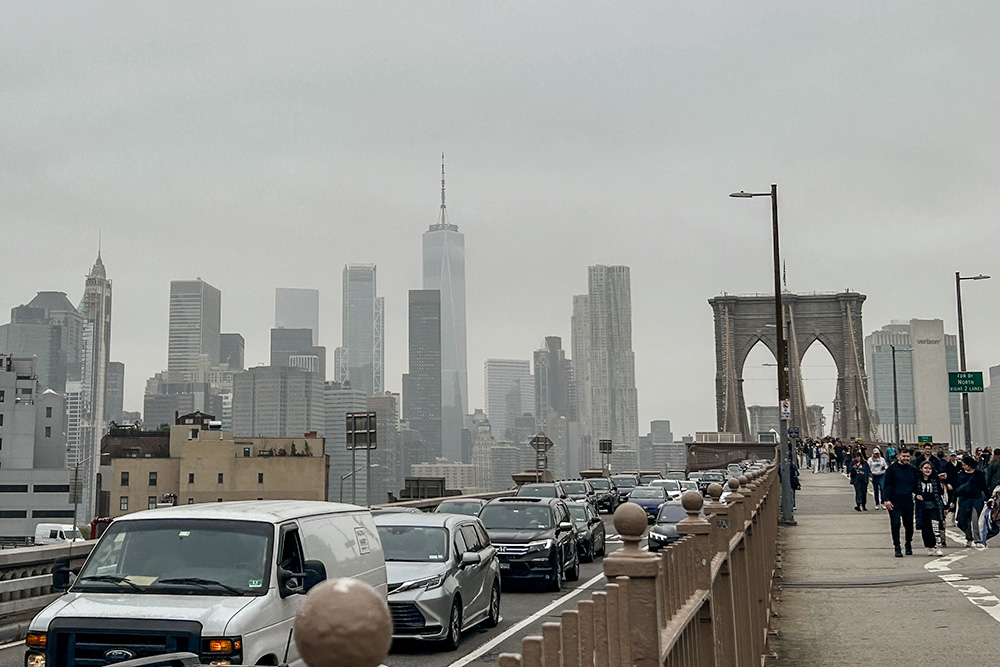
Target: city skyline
[(607, 158)]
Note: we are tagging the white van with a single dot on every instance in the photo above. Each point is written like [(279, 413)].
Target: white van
[(57, 533), (223, 580)]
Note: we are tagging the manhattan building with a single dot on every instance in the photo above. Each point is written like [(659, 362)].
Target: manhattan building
[(607, 400), (231, 351), (34, 480), (360, 358), (348, 483), (509, 391), (195, 326), (297, 309), (444, 271), (277, 401), (293, 347), (924, 357), (422, 384), (50, 329)]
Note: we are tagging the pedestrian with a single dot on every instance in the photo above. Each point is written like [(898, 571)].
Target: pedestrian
[(993, 472), (890, 454), (898, 485), (809, 452), (984, 458), (930, 504), (860, 473), (971, 493), (951, 470), (838, 452), (824, 457), (877, 466)]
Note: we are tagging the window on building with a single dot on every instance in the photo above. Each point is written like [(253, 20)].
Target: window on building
[(151, 502), (13, 514), (260, 478), (13, 488), (48, 431), (194, 434), (1, 395), (124, 478), (246, 451), (51, 514), (1, 444), (123, 503), (220, 478), (152, 479), (220, 500), (190, 478), (190, 501), (1, 419), (51, 488), (48, 412)]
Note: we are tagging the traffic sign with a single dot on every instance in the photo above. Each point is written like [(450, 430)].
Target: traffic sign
[(361, 431), (604, 446), (965, 381), (793, 432), (786, 409), (922, 439)]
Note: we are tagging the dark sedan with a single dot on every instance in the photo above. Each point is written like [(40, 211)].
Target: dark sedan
[(664, 531), (649, 498), (590, 532)]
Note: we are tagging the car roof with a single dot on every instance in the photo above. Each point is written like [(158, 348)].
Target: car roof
[(270, 511), (442, 520)]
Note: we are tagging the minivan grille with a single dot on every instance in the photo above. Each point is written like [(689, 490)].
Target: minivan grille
[(83, 642), (406, 616)]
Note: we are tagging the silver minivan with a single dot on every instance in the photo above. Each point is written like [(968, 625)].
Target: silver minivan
[(221, 580), (443, 575)]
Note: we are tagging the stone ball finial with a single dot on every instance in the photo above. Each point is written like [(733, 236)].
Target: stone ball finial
[(343, 622), (692, 502), (744, 480), (715, 491), (733, 484), (630, 520)]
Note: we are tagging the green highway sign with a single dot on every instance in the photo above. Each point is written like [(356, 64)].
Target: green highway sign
[(921, 439), (971, 381)]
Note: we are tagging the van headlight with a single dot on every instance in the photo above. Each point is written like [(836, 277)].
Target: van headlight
[(222, 650), (427, 583), (32, 659)]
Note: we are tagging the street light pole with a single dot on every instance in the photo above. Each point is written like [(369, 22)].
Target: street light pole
[(961, 351), (787, 507)]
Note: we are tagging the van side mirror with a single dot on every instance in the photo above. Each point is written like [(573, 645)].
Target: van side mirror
[(299, 583), (60, 573)]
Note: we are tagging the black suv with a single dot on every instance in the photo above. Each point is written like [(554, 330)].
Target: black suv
[(535, 539), (625, 483), (543, 490), (606, 493), (580, 490)]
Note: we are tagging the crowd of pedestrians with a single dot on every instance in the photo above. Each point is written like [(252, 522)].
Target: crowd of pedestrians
[(919, 488)]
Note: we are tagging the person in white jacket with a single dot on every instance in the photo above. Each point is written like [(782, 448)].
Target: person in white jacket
[(878, 465)]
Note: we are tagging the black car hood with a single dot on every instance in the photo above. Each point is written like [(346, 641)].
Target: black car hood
[(513, 536)]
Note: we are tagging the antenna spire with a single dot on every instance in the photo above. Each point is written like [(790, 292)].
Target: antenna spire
[(98, 243), (442, 180)]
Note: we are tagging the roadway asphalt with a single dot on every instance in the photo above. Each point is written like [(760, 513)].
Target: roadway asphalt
[(523, 611)]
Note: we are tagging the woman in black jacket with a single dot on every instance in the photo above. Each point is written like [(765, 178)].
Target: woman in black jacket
[(930, 506), (971, 493)]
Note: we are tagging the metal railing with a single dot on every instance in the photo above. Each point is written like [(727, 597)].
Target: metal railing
[(704, 601)]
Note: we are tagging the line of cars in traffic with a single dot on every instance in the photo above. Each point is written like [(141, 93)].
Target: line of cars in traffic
[(225, 580)]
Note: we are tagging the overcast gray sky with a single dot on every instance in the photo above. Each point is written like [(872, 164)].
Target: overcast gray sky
[(258, 145)]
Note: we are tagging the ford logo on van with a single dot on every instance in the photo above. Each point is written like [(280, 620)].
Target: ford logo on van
[(118, 655)]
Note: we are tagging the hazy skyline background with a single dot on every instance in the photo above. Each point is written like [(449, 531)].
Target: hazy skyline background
[(258, 145)]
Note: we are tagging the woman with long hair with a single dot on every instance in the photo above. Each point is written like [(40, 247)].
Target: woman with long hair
[(930, 506)]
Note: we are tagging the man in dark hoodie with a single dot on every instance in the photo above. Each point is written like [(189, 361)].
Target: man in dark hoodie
[(971, 492), (898, 486)]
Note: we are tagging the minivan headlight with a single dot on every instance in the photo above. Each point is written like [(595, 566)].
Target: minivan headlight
[(427, 583)]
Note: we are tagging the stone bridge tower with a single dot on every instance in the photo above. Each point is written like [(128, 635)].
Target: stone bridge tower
[(832, 319)]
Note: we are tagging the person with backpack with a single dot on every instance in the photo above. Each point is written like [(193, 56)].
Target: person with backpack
[(971, 493)]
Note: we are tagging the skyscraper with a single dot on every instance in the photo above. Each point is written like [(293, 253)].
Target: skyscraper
[(338, 400), (444, 270), (231, 350), (509, 394), (553, 375), (287, 344), (613, 399), (296, 308), (114, 394), (277, 401), (422, 385), (96, 310), (924, 357), (363, 347), (195, 326)]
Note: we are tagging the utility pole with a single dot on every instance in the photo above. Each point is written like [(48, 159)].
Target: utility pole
[(961, 350)]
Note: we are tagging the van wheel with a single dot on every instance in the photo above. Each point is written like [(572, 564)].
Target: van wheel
[(454, 636), (574, 572), (493, 617)]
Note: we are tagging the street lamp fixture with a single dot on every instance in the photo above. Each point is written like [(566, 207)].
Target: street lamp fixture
[(787, 507), (961, 347), (351, 474)]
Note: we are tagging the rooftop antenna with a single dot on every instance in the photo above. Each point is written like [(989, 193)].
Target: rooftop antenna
[(442, 180)]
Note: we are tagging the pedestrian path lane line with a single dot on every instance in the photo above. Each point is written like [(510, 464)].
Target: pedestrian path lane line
[(978, 595), (517, 627)]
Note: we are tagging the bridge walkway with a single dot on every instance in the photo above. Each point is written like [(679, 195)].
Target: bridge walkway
[(846, 600)]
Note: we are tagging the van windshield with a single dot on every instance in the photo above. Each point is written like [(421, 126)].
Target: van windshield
[(180, 557)]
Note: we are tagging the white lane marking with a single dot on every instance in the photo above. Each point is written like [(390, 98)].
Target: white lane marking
[(977, 595), (517, 627), (11, 645)]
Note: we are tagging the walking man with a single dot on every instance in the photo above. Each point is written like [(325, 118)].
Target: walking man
[(898, 486), (860, 472)]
